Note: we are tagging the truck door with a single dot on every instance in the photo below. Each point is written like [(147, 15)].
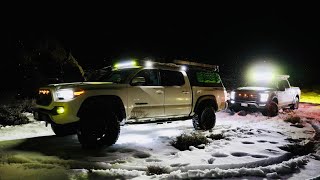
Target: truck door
[(284, 94), (146, 96), (178, 95)]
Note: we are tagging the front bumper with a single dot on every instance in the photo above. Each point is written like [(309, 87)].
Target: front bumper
[(247, 105), (51, 115), (43, 114)]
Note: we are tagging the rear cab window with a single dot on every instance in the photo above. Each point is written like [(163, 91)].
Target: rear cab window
[(204, 78)]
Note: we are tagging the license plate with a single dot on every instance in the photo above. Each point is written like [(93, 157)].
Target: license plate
[(244, 104)]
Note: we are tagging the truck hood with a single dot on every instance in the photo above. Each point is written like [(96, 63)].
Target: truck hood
[(87, 85), (258, 89)]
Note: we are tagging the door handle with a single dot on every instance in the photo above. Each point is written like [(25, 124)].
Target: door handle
[(185, 92), (159, 92)]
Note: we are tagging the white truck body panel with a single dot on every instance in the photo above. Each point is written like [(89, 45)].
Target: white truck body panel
[(178, 99), (145, 101)]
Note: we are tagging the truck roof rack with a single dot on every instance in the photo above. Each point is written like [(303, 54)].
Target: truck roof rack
[(172, 64), (195, 64), (283, 77)]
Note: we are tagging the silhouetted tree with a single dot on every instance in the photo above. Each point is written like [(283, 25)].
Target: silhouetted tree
[(43, 62)]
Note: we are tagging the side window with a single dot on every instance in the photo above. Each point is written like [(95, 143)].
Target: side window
[(146, 77), (283, 84), (171, 78)]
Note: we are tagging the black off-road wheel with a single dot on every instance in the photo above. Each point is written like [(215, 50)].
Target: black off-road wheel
[(205, 120), (295, 104), (234, 109), (271, 110), (98, 128), (63, 130)]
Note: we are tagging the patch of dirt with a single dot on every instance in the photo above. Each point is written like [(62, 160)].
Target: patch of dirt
[(299, 149), (141, 154), (247, 142), (239, 154), (259, 156), (291, 140), (262, 141), (273, 142), (219, 154), (299, 125), (216, 136)]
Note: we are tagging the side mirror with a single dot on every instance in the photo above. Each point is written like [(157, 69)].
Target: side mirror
[(138, 81)]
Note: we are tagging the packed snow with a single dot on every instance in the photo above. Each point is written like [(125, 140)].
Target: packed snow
[(251, 147)]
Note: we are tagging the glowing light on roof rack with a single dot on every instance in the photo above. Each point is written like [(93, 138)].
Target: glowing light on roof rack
[(125, 64), (149, 64), (183, 68), (262, 72)]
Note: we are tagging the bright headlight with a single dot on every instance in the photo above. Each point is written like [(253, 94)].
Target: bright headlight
[(264, 97), (232, 95), (65, 94)]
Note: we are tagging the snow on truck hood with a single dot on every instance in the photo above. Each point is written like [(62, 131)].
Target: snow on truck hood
[(87, 85)]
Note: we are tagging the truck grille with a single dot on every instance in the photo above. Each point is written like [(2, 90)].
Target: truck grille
[(246, 96), (44, 97)]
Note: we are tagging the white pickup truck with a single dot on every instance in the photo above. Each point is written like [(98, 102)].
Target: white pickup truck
[(132, 92), (266, 95)]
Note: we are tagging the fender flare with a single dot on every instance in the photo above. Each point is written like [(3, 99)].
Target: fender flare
[(113, 102), (203, 101)]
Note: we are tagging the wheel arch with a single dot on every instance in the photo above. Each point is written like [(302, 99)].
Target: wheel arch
[(203, 101), (275, 99), (110, 101)]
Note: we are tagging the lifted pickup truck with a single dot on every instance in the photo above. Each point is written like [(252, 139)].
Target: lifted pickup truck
[(131, 92), (267, 95)]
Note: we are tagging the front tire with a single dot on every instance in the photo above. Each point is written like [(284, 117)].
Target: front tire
[(98, 128), (234, 109), (205, 120), (271, 110)]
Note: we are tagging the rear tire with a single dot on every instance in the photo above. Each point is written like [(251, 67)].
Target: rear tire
[(206, 120), (98, 128), (271, 110), (295, 104)]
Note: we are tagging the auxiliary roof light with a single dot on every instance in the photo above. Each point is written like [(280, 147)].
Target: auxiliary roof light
[(126, 64), (183, 68), (262, 72), (149, 64)]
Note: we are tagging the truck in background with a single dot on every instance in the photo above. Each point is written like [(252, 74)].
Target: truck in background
[(267, 94)]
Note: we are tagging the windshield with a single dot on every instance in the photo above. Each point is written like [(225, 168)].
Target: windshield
[(117, 76), (269, 84)]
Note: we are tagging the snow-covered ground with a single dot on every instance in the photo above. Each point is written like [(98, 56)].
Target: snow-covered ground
[(250, 149)]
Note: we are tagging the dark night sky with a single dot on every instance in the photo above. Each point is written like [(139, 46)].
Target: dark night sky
[(230, 36)]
